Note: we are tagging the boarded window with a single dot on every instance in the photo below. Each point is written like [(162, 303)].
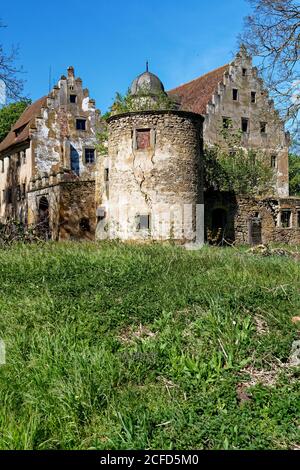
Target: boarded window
[(142, 139), (89, 155), (285, 218), (245, 124), (18, 193), (253, 97), (235, 94), (80, 124), (143, 222), (273, 161)]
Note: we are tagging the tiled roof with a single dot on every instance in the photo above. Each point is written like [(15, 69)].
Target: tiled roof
[(195, 95), (23, 124)]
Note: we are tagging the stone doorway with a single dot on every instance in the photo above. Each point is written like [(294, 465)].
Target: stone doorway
[(218, 224), (43, 218), (255, 235)]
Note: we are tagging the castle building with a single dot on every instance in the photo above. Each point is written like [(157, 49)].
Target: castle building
[(48, 163), (149, 183)]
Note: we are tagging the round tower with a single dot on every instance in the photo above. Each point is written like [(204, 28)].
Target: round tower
[(151, 182)]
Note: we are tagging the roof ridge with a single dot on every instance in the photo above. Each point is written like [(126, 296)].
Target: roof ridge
[(201, 76), (34, 104)]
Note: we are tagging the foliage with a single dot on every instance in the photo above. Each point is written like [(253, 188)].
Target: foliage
[(294, 174), (13, 232), (142, 101), (108, 349), (272, 34), (233, 168), (102, 138), (10, 114)]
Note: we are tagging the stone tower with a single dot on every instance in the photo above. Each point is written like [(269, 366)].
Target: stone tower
[(150, 184)]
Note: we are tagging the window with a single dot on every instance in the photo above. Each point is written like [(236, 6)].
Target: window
[(2, 165), (19, 159), (23, 154), (226, 123), (84, 224), (89, 155), (285, 218), (263, 127), (9, 196), (253, 96), (142, 139), (244, 72), (18, 193), (245, 124), (142, 222), (273, 161), (235, 94), (73, 98), (106, 174), (80, 124)]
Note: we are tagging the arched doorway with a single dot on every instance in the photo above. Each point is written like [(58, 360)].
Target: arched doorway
[(43, 218), (218, 224)]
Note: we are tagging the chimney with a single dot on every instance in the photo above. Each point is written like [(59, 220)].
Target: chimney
[(71, 71)]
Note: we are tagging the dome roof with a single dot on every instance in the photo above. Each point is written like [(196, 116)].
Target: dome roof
[(147, 83)]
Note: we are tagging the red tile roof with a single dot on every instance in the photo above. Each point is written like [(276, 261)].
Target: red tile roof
[(195, 95), (23, 124)]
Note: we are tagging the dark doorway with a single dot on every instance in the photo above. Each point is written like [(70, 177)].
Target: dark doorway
[(43, 218), (255, 237), (219, 223), (74, 158)]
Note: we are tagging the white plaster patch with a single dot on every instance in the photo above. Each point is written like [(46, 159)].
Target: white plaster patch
[(85, 104)]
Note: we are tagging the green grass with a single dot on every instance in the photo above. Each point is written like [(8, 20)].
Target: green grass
[(129, 347)]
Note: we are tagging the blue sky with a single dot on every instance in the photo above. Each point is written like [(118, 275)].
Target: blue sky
[(108, 42)]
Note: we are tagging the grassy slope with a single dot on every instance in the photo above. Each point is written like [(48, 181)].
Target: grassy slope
[(77, 376)]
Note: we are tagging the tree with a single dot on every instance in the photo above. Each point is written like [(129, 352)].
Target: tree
[(272, 34), (231, 167), (241, 171), (294, 174), (142, 101), (9, 72), (9, 115)]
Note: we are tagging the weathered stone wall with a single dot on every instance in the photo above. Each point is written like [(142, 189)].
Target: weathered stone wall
[(72, 212), (243, 77), (55, 133), (163, 181), (240, 211)]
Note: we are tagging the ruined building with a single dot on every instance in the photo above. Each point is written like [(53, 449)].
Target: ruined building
[(149, 184), (48, 163)]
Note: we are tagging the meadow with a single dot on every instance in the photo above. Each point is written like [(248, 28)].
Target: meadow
[(111, 346)]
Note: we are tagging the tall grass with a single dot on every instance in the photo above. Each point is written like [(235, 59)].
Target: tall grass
[(126, 347)]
